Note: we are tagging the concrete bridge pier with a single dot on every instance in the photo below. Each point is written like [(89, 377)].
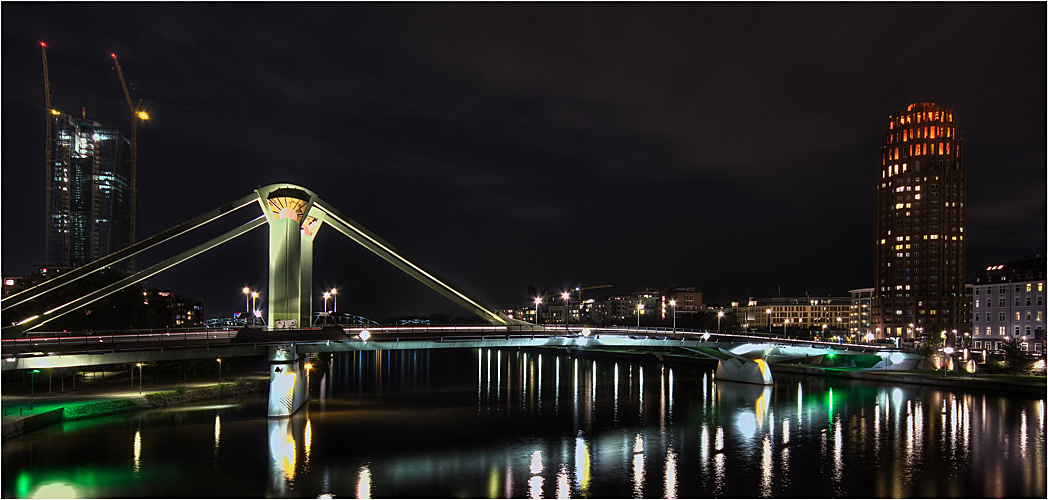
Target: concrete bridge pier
[(754, 371), (288, 381), (735, 368)]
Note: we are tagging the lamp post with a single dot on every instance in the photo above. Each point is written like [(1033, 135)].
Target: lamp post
[(334, 293), (254, 295), (565, 296), (673, 308), (538, 300), (219, 370), (247, 295), (824, 332), (140, 378), (955, 338), (640, 308), (787, 320), (946, 362), (32, 386), (720, 314), (326, 296), (769, 321)]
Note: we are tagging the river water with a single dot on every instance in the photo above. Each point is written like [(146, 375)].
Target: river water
[(544, 424)]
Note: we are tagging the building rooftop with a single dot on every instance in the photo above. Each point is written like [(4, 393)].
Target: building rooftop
[(1025, 269)]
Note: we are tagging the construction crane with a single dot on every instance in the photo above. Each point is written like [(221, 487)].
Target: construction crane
[(51, 113), (136, 114), (582, 287)]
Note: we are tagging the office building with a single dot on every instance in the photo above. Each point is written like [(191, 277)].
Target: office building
[(1008, 300), (88, 191), (920, 222)]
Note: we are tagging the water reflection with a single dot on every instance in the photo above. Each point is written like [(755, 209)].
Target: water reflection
[(281, 452), (391, 426), (582, 465), (638, 467), (364, 482), (218, 437), (670, 480), (138, 452), (563, 483)]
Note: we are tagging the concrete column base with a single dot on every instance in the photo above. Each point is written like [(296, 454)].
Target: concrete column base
[(288, 379)]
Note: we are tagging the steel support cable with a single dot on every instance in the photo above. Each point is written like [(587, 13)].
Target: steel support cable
[(383, 249), (101, 293), (97, 265)]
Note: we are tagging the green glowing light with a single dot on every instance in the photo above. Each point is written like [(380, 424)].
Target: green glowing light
[(56, 490)]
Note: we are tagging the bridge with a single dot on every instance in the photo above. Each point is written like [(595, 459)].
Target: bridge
[(294, 216)]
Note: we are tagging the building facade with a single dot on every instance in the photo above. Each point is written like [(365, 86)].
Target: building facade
[(919, 229), (173, 309), (833, 313), (89, 192), (861, 299), (1008, 300), (683, 300)]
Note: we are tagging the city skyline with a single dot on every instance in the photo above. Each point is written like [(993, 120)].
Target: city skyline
[(576, 144)]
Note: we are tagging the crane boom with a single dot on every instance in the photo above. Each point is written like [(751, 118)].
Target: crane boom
[(582, 287), (123, 83), (136, 115), (47, 156)]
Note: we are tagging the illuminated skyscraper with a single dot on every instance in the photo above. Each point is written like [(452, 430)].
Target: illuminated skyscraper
[(919, 247), (89, 215)]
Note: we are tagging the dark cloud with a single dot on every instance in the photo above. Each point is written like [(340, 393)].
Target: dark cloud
[(731, 147)]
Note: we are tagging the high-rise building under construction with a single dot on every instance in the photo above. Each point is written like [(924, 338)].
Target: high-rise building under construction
[(89, 209), (919, 236)]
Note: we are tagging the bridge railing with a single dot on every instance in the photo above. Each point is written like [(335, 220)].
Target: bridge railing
[(104, 340)]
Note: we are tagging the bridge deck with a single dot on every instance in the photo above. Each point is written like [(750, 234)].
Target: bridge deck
[(86, 349)]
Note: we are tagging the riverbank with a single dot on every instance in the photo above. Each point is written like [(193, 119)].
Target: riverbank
[(22, 414), (1034, 386)]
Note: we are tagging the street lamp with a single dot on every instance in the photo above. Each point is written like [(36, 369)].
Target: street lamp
[(720, 314), (640, 308), (565, 296), (673, 305), (326, 296), (140, 378), (538, 300), (946, 362), (32, 386), (955, 338), (219, 370), (769, 320), (334, 293), (247, 295), (787, 320), (254, 295)]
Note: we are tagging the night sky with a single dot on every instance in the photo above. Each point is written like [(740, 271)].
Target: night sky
[(730, 147)]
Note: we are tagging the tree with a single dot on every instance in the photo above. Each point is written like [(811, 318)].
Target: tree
[(1017, 358)]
